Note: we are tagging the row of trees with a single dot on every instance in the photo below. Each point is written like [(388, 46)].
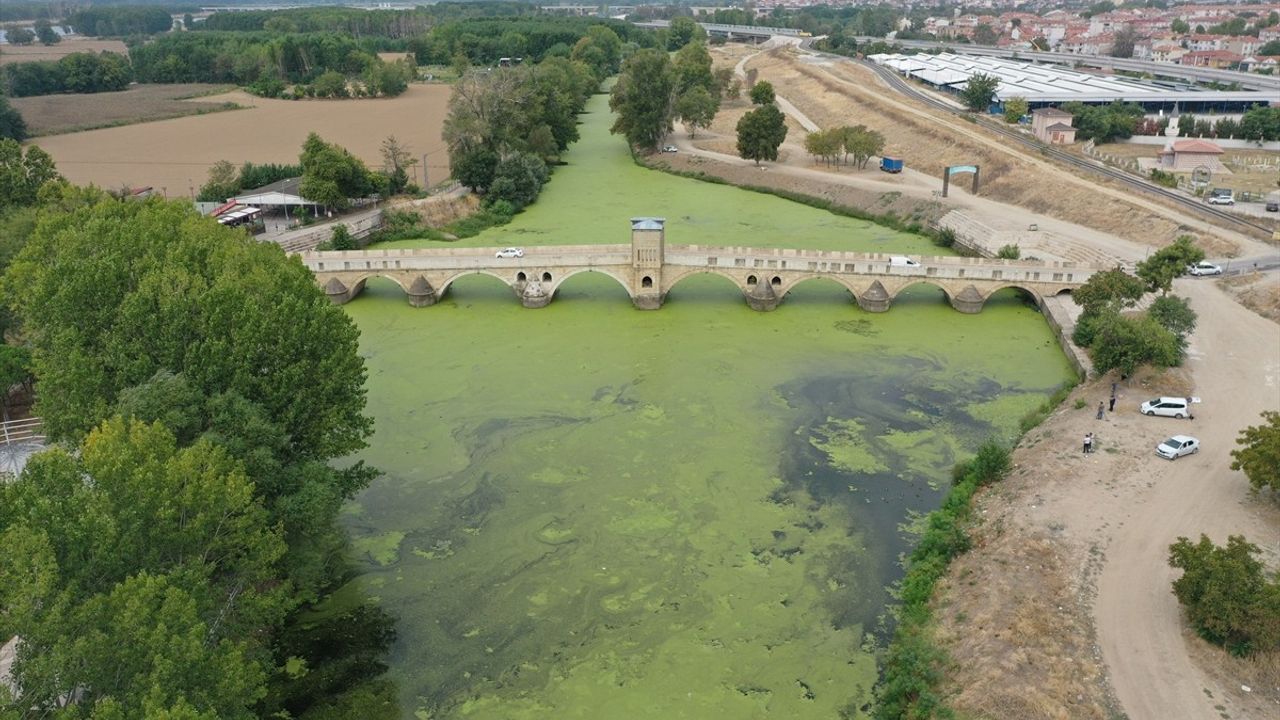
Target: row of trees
[(120, 20), (41, 30), (379, 79), (1105, 123), (157, 560), (243, 58), (226, 180), (504, 126), (1118, 339), (838, 145), (82, 72), (483, 41), (655, 89), (1259, 123)]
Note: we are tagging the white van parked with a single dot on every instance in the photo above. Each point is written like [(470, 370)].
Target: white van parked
[(1177, 407), (901, 261)]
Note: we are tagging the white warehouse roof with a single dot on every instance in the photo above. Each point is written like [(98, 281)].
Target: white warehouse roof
[(1049, 83)]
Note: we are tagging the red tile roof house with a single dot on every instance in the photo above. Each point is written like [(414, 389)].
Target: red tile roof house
[(1188, 155), (1222, 59)]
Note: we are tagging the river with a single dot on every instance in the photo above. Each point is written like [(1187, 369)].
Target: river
[(590, 511)]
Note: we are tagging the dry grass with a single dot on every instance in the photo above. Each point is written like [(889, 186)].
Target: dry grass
[(30, 53), (1019, 642), (1258, 292), (842, 94), (56, 114), (178, 153), (440, 210)]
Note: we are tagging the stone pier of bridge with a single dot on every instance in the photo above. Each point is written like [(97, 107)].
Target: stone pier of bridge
[(648, 268)]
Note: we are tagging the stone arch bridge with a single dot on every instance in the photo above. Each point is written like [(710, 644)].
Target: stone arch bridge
[(648, 268)]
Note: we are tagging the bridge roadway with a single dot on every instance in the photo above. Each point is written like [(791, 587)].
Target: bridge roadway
[(648, 272)]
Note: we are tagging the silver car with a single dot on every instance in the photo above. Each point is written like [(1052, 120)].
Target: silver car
[(1177, 446), (509, 253)]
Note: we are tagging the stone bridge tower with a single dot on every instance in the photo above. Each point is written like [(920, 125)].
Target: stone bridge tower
[(647, 249)]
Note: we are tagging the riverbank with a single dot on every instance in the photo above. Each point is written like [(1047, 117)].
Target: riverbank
[(1063, 608)]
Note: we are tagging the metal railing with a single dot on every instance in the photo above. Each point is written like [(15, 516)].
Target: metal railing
[(24, 430)]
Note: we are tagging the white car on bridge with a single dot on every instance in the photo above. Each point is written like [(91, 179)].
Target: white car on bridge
[(509, 253)]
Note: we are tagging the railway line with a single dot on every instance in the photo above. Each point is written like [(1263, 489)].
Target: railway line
[(903, 87)]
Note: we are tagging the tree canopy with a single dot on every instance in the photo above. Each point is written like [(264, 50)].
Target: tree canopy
[(1226, 593), (979, 92), (22, 174), (642, 99), (332, 176), (760, 133), (1259, 452), (1168, 263)]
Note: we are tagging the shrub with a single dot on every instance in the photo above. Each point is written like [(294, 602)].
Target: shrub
[(1259, 457), (1166, 179), (1009, 252)]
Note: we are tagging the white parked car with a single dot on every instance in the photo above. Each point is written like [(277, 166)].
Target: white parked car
[(1221, 200), (1204, 268), (902, 261), (1177, 446), (1175, 407), (670, 148), (509, 253)]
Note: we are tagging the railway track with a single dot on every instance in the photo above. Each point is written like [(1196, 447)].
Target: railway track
[(902, 86)]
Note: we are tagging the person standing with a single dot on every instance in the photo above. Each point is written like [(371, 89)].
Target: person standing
[(1112, 406), (1088, 443), (1101, 410)]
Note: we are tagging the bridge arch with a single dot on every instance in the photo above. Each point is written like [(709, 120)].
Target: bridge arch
[(399, 278), (448, 281), (1023, 291), (947, 293), (626, 287), (823, 279), (738, 281)]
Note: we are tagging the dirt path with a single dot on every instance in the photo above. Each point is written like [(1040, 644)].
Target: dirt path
[(1235, 361)]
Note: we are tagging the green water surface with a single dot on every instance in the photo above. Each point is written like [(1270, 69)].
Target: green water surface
[(590, 511)]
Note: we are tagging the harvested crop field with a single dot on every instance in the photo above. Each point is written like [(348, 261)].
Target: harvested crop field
[(177, 154), (56, 114), (842, 93), (30, 53)]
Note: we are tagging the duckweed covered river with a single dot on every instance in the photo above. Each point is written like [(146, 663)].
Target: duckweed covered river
[(590, 511)]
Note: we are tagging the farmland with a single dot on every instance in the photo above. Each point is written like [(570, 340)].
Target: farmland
[(57, 114), (176, 154), (29, 53)]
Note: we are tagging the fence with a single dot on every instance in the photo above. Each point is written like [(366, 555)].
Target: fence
[(19, 431)]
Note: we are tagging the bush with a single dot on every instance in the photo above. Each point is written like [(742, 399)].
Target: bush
[(1165, 179), (1226, 595), (1009, 252)]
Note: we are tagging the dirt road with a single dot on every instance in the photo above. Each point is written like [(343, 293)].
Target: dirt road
[(1235, 362)]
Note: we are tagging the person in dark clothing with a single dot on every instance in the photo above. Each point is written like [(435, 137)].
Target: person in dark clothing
[(1112, 406)]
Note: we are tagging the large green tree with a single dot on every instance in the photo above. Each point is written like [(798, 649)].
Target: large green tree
[(643, 99), (1168, 263), (682, 31), (1259, 452), (22, 174), (112, 294), (979, 92), (1108, 291), (692, 66), (1226, 593), (12, 126), (697, 108), (331, 175), (1123, 343), (760, 133), (146, 577)]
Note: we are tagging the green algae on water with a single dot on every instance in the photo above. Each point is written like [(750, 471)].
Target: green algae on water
[(590, 511)]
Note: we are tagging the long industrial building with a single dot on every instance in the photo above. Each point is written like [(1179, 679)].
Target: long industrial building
[(1052, 85)]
